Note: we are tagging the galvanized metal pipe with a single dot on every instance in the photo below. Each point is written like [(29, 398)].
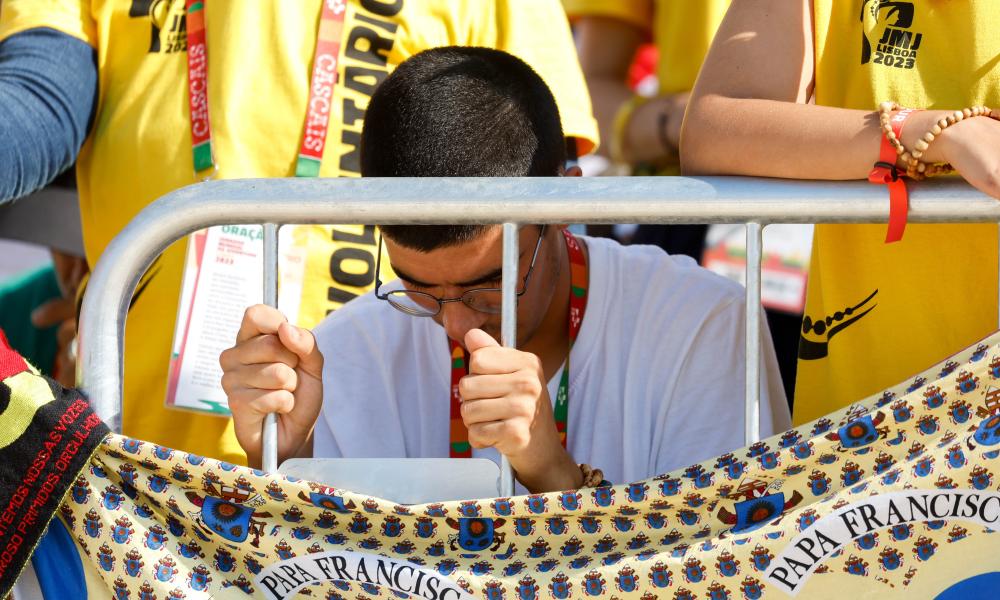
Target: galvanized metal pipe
[(508, 324), (269, 449), (755, 250), (468, 201)]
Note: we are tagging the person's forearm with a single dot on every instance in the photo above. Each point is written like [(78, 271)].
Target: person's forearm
[(749, 111), (648, 137), (607, 97), (48, 89), (548, 473), (653, 132), (770, 138), (606, 47)]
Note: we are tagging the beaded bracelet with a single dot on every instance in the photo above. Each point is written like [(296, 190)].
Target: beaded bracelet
[(916, 169), (592, 477)]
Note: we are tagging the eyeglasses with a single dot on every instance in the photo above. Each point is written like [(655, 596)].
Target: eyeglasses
[(421, 304)]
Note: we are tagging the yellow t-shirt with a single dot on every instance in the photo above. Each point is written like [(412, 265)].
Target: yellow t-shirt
[(681, 29), (259, 62), (878, 313)]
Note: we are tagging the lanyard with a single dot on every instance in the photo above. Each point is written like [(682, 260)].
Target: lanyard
[(459, 446), (321, 82)]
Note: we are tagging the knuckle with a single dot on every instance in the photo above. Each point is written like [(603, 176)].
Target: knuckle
[(476, 438), (515, 433), (269, 376), (525, 408), (274, 401), (284, 376), (528, 385), (227, 381), (252, 313), (237, 402), (260, 403), (284, 402)]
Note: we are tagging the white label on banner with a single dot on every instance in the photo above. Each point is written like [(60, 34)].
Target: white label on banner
[(284, 579), (805, 553)]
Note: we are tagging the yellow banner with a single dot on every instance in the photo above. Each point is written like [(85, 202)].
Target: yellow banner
[(895, 496)]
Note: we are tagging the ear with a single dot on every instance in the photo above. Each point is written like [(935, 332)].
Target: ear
[(452, 523)]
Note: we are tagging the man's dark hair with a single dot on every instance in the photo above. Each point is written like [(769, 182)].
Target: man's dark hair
[(460, 112)]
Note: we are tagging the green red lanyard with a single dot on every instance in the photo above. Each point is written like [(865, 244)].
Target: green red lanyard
[(459, 446), (322, 80)]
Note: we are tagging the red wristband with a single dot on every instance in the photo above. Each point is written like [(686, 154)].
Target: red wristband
[(886, 173)]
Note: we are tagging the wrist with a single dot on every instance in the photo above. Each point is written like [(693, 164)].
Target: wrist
[(254, 452), (943, 147), (622, 134), (653, 131), (547, 470), (919, 124), (642, 140), (293, 441)]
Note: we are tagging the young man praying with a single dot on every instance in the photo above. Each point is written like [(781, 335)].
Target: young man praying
[(627, 359)]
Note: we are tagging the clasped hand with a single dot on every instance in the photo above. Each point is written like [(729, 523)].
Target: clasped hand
[(276, 367)]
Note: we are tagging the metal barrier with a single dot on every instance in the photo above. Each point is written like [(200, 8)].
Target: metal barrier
[(751, 201)]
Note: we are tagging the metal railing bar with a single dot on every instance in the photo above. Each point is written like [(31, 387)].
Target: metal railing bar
[(755, 250), (735, 200), (508, 324), (470, 201), (269, 440)]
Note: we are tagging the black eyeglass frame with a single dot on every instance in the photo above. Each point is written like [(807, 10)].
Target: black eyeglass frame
[(442, 301)]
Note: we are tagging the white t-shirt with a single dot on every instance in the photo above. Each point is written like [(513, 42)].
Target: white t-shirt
[(656, 374)]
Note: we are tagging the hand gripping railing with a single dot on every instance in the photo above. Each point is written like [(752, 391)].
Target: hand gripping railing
[(754, 202)]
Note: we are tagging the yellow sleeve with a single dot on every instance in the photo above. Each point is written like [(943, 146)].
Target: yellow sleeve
[(638, 13), (537, 32), (72, 17)]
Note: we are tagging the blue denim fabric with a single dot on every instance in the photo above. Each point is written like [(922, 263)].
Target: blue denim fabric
[(48, 92)]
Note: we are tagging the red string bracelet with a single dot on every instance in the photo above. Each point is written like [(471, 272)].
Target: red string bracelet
[(886, 173)]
